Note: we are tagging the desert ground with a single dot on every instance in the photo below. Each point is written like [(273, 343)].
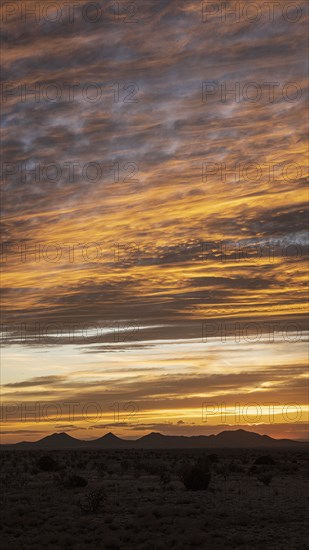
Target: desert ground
[(153, 500)]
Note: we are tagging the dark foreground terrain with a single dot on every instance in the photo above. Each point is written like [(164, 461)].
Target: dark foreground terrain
[(143, 499)]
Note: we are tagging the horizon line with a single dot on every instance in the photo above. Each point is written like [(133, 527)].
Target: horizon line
[(155, 433)]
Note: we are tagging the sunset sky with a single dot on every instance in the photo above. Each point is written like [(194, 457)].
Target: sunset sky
[(154, 211)]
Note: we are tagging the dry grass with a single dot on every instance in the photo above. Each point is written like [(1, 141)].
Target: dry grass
[(136, 500)]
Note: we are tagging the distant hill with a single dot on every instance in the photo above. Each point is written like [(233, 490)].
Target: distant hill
[(108, 441), (57, 441), (231, 439), (227, 439)]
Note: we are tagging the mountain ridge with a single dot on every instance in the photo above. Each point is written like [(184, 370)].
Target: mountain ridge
[(226, 439)]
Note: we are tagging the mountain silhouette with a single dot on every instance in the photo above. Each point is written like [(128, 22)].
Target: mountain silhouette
[(232, 439), (108, 441), (226, 439), (60, 440)]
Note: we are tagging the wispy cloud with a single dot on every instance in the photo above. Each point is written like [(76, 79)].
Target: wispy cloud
[(135, 203)]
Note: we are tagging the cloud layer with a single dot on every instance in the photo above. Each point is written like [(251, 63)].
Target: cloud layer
[(153, 180)]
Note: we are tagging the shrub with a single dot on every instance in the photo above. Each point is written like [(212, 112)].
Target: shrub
[(265, 477), (47, 464), (235, 468), (101, 467), (197, 477), (91, 501), (165, 477), (21, 480), (74, 480), (70, 480), (125, 464), (265, 460), (213, 458), (222, 469)]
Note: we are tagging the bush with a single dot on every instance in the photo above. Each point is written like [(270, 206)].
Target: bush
[(70, 480), (47, 464), (74, 480), (222, 469), (265, 460), (213, 458), (124, 464), (91, 501), (265, 477), (165, 477), (235, 468), (197, 477)]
